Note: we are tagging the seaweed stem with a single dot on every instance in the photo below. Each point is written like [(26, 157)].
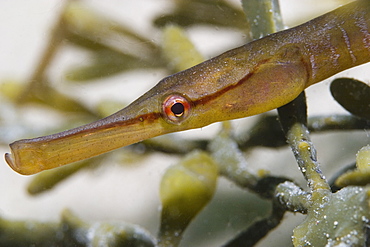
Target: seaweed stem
[(293, 118)]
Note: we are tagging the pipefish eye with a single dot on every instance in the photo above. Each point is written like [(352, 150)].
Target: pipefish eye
[(176, 108)]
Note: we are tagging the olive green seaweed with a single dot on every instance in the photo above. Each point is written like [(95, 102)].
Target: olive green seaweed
[(359, 176), (353, 95), (333, 219), (263, 17), (72, 231), (48, 180), (98, 34), (185, 189), (178, 50), (217, 13), (230, 159)]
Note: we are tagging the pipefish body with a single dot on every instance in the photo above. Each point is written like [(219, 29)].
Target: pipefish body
[(254, 78)]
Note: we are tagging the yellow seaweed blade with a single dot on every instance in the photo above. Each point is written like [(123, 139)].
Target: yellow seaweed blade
[(363, 158)]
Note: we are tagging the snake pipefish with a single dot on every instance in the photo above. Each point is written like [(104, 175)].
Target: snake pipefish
[(248, 80)]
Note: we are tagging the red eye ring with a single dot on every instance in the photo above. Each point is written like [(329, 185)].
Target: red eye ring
[(176, 108)]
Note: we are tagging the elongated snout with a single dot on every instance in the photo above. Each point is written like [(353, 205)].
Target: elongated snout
[(123, 128)]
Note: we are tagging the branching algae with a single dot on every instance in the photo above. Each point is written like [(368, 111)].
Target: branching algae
[(267, 73)]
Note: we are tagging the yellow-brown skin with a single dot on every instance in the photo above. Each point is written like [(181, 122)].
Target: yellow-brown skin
[(254, 78)]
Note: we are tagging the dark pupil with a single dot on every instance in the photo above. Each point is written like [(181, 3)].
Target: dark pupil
[(178, 109)]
